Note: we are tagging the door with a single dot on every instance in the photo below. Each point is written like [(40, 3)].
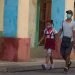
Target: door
[(45, 12)]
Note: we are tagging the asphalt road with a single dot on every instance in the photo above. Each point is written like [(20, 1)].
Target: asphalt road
[(42, 72)]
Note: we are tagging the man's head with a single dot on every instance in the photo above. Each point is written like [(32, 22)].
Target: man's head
[(69, 14)]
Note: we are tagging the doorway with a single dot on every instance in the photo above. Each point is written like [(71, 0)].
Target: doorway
[(45, 12)]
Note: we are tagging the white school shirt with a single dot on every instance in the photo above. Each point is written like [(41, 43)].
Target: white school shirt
[(52, 31)]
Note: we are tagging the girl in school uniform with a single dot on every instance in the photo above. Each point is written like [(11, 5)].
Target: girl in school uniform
[(49, 45)]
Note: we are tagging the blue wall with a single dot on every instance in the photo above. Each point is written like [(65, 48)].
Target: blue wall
[(58, 12), (10, 18)]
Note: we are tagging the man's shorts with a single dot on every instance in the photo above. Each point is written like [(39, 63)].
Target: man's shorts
[(66, 46)]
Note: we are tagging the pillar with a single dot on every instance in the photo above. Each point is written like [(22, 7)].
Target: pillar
[(23, 23)]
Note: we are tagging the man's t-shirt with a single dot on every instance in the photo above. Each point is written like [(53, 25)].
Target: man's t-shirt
[(68, 28)]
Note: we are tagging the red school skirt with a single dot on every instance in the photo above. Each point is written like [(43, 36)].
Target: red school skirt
[(50, 43)]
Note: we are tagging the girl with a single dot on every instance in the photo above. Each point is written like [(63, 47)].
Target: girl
[(49, 35)]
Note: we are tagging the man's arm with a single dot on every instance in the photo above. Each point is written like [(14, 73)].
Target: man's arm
[(56, 37), (60, 32)]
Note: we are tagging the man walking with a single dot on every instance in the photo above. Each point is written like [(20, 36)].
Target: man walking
[(68, 29)]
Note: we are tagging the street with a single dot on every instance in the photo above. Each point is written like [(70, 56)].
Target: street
[(41, 72)]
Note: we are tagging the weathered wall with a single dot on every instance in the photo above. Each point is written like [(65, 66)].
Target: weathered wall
[(58, 8), (32, 20), (69, 5), (10, 18), (23, 18), (22, 33), (1, 14)]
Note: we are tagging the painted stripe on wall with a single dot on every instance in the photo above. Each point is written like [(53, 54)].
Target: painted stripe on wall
[(37, 24), (69, 5), (58, 8), (1, 14), (23, 18), (10, 18)]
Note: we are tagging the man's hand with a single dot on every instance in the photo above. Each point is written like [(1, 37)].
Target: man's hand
[(60, 32)]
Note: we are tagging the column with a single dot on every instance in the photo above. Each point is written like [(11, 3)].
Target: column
[(23, 23)]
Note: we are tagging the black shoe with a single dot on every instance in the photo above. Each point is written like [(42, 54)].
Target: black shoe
[(66, 69), (69, 64), (43, 67)]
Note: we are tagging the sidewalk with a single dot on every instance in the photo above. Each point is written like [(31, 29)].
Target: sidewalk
[(34, 64)]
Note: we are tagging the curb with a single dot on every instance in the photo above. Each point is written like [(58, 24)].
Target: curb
[(29, 66)]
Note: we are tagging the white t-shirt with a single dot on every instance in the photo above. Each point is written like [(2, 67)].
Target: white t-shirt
[(68, 28)]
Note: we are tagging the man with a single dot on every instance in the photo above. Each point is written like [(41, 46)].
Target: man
[(68, 29)]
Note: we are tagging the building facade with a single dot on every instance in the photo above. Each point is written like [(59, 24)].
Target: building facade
[(22, 23)]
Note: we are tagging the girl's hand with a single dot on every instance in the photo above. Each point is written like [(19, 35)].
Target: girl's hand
[(41, 40)]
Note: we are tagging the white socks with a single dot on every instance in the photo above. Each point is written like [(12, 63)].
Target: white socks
[(52, 66), (49, 52), (48, 66)]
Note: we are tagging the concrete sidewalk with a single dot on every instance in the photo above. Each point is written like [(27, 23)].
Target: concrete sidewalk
[(34, 64)]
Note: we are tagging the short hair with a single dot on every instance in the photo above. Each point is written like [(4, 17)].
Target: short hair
[(69, 12)]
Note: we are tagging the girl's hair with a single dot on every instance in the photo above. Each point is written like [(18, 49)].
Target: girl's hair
[(50, 20)]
